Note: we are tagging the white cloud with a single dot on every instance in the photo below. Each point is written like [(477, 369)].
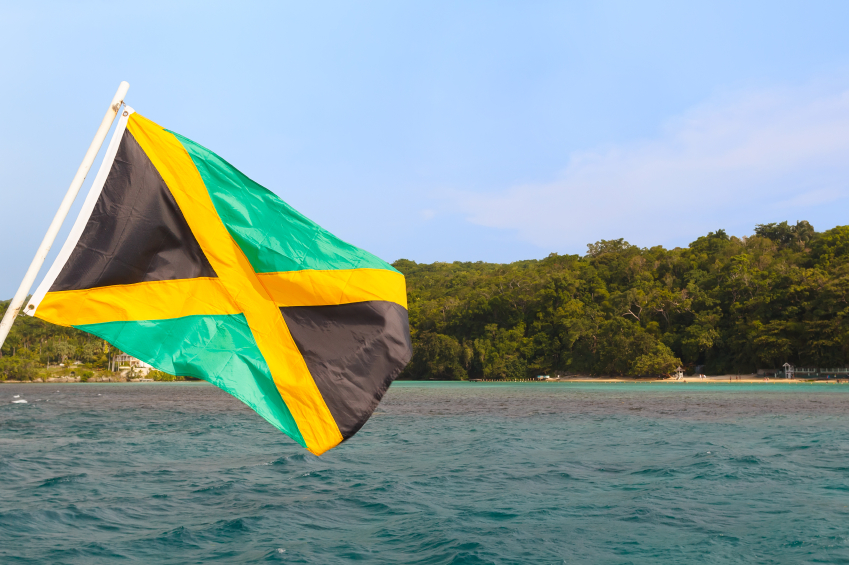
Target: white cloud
[(736, 159)]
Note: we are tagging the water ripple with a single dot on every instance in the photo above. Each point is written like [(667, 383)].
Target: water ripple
[(445, 473)]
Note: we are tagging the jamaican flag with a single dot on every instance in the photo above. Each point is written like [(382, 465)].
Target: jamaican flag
[(182, 261)]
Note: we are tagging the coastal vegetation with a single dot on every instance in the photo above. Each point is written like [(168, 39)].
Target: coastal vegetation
[(723, 304), (34, 345)]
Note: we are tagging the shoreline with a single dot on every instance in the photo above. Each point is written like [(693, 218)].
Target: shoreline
[(723, 379), (744, 379), (719, 379), (101, 380)]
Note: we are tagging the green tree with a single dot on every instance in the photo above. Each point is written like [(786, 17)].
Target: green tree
[(436, 356), (659, 361)]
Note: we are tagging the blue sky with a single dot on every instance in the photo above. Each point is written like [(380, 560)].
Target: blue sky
[(442, 131)]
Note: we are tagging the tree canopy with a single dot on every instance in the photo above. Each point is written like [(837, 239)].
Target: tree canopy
[(33, 343), (729, 304)]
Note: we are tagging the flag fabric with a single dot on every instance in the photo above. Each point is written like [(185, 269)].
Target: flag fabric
[(180, 260)]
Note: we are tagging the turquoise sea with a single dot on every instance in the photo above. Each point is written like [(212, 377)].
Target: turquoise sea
[(443, 473)]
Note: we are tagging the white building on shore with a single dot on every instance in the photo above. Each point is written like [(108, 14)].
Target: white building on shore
[(123, 362)]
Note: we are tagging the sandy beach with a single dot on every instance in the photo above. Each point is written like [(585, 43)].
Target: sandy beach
[(717, 379)]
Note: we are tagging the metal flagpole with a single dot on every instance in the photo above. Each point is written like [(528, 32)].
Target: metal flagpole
[(64, 208)]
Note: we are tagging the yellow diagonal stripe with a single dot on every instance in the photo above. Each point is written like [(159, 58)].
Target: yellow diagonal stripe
[(154, 300), (331, 287), (288, 368)]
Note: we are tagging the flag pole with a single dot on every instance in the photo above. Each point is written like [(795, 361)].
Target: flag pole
[(29, 278)]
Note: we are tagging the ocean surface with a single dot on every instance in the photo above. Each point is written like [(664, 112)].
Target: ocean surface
[(443, 473)]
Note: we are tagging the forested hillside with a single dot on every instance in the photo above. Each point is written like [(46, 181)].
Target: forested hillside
[(33, 344), (731, 304)]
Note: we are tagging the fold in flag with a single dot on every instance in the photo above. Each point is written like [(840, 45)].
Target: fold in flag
[(180, 260)]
